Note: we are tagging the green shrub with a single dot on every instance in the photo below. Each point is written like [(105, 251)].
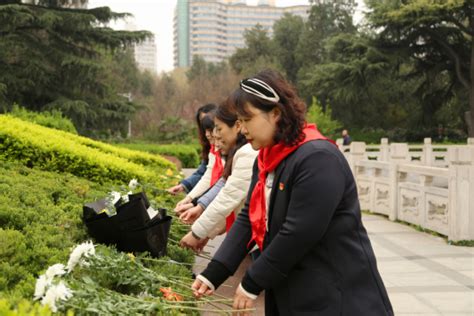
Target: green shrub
[(54, 150), (323, 119), (40, 220), (53, 119), (367, 135), (172, 130), (187, 154), (24, 308)]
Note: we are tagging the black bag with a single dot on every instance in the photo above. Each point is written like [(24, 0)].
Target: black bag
[(153, 237), (131, 228), (133, 214), (100, 226)]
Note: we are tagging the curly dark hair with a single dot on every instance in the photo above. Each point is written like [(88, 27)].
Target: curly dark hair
[(226, 113), (292, 108)]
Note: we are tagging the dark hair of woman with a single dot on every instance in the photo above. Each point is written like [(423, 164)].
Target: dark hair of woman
[(292, 108), (226, 114), (208, 110)]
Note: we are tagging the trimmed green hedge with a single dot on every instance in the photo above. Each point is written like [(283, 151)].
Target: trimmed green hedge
[(52, 119), (53, 150), (40, 220), (187, 154)]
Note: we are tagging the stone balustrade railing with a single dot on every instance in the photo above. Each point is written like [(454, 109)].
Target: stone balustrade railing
[(435, 193), (426, 154)]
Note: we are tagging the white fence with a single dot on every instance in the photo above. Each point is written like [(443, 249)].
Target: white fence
[(427, 185)]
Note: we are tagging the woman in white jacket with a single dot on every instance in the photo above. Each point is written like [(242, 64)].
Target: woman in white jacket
[(220, 213)]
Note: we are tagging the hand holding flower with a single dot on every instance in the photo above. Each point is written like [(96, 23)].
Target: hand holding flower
[(191, 215)]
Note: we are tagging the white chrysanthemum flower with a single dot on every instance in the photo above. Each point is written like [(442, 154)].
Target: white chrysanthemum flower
[(55, 293), (55, 269), (143, 295), (115, 197), (133, 184), (85, 249), (41, 283), (125, 197)]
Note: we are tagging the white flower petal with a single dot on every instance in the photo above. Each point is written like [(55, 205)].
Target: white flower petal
[(41, 283), (133, 184), (85, 249), (55, 293), (55, 269), (125, 198), (115, 196)]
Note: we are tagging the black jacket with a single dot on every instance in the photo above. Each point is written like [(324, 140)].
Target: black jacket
[(317, 257)]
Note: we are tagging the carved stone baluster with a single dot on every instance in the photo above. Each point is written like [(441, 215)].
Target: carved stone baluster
[(427, 158), (461, 193)]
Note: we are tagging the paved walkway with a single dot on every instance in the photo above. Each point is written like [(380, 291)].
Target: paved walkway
[(423, 274)]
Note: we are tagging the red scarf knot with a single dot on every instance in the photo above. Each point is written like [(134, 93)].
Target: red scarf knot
[(268, 160)]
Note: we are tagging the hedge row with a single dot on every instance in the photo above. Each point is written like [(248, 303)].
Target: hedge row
[(140, 157), (187, 154), (53, 150), (52, 119), (40, 220)]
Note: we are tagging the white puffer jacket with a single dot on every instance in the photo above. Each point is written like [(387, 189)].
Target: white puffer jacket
[(205, 183), (232, 196)]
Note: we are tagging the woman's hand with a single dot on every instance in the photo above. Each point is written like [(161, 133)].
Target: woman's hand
[(191, 242), (183, 207), (200, 289), (176, 189), (186, 200), (191, 215), (242, 301)]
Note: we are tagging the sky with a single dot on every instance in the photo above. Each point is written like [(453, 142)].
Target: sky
[(157, 16)]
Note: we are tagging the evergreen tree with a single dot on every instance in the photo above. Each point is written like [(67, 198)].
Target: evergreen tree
[(438, 38), (55, 57)]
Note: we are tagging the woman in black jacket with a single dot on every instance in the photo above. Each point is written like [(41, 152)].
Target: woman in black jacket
[(303, 214)]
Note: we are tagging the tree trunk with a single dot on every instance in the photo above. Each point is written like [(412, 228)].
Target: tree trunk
[(470, 116)]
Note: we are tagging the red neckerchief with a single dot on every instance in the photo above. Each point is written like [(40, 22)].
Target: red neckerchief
[(217, 172), (218, 168), (268, 159)]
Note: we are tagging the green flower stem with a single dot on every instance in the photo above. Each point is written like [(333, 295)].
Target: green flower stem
[(223, 300), (173, 262), (204, 256), (210, 310)]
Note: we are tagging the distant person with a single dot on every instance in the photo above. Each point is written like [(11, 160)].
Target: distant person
[(205, 124), (346, 138)]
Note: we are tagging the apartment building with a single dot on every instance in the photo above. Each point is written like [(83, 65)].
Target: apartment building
[(215, 29)]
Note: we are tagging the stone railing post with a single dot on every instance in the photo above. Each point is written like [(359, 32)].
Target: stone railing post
[(461, 193), (357, 153), (398, 155), (427, 158), (384, 149), (470, 141)]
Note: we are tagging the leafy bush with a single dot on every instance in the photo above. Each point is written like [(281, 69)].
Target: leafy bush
[(54, 150), (172, 130), (24, 308), (40, 220), (398, 134), (53, 119), (367, 135), (323, 119), (187, 154)]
